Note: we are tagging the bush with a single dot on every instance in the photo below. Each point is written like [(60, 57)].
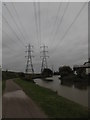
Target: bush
[(81, 73), (65, 71), (47, 72), (9, 75)]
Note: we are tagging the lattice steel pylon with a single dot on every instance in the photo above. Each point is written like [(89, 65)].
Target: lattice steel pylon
[(44, 58), (29, 65)]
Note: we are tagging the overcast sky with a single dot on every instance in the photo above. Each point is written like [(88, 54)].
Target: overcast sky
[(70, 50)]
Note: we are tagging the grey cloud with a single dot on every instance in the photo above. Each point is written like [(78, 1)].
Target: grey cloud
[(73, 49)]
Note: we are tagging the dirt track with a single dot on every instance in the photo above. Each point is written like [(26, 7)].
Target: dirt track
[(16, 104)]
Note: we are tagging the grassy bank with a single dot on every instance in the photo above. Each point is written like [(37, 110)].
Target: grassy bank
[(53, 105)]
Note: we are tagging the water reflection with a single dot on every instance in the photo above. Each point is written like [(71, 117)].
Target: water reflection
[(69, 84), (78, 85), (77, 91), (82, 85)]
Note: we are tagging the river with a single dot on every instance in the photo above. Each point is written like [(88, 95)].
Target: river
[(75, 92)]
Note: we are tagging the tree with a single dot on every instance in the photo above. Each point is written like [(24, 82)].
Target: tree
[(65, 71), (80, 72), (47, 72)]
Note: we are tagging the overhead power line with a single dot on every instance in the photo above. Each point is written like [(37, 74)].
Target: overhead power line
[(56, 20), (9, 47), (20, 22), (9, 38), (39, 14), (61, 20), (13, 31), (14, 21), (76, 17), (36, 21)]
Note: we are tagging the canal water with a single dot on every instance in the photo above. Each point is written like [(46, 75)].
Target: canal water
[(75, 92)]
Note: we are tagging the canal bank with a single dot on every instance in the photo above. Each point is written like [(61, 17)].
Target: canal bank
[(75, 92), (53, 105)]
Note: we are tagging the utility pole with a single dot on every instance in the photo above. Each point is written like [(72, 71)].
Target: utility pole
[(29, 65), (44, 57)]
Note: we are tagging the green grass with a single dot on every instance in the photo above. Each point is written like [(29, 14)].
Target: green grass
[(51, 103)]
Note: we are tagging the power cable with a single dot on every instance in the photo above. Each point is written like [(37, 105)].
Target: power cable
[(9, 37), (39, 14), (72, 23), (13, 31), (14, 21), (36, 22), (20, 22), (61, 20), (56, 20)]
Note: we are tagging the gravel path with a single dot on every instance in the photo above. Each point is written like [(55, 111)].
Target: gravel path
[(16, 104)]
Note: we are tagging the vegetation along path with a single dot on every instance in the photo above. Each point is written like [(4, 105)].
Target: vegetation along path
[(53, 105), (16, 104)]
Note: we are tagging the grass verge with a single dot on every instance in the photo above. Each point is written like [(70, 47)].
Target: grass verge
[(52, 104)]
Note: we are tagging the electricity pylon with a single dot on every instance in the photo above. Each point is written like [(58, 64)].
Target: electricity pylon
[(44, 58), (29, 65)]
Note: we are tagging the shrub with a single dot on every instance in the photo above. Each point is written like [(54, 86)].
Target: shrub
[(65, 71), (47, 72)]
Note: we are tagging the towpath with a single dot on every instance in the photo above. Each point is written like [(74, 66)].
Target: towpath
[(16, 104)]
